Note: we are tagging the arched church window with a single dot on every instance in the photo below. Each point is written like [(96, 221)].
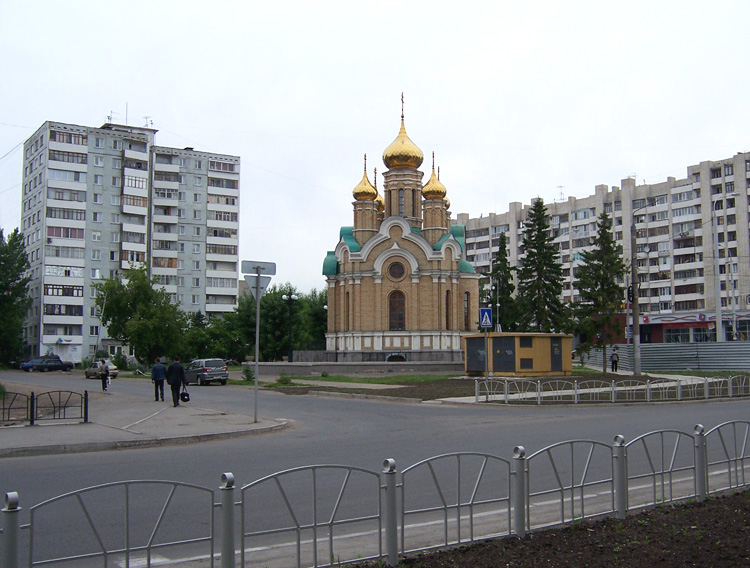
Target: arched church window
[(447, 309), (466, 311), (401, 202), (397, 311)]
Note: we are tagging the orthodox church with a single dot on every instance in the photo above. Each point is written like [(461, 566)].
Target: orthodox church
[(399, 286)]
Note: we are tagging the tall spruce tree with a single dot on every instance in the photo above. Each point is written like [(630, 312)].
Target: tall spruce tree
[(14, 301), (539, 298), (500, 293), (601, 295)]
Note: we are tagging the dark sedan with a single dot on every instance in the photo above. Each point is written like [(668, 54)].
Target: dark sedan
[(43, 364)]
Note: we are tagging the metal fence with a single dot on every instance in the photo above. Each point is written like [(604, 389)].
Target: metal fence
[(536, 391), (325, 515), (52, 405)]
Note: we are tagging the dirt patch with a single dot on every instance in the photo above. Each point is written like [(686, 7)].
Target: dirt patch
[(713, 533)]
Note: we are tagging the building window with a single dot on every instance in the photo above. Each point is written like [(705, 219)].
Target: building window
[(97, 218), (196, 265), (99, 161), (116, 144), (447, 309), (396, 271), (197, 181), (195, 299), (96, 235), (466, 311), (397, 311), (728, 169), (197, 231), (116, 163), (196, 282), (98, 180), (196, 248), (401, 202), (197, 214), (99, 142), (196, 198), (94, 330)]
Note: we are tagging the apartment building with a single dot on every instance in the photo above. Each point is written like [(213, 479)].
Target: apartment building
[(692, 247), (98, 201)]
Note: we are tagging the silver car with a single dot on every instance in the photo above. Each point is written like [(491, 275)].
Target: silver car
[(206, 371)]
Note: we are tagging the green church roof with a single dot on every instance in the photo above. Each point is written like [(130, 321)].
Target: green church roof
[(330, 264)]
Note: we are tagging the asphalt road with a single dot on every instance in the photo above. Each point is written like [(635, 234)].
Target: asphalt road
[(338, 431)]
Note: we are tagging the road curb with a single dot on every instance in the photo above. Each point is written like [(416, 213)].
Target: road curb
[(55, 449)]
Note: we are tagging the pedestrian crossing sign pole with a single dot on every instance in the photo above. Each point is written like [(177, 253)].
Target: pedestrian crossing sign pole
[(485, 322)]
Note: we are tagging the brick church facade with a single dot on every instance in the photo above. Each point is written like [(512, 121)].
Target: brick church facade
[(399, 285)]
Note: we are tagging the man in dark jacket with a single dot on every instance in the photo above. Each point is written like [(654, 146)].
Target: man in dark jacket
[(158, 374), (176, 379)]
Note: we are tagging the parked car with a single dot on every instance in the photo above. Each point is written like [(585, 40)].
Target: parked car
[(93, 370), (47, 363), (205, 371)]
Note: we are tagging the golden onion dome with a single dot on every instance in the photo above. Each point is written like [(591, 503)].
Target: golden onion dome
[(381, 202), (447, 203), (434, 189), (365, 191), (402, 153)]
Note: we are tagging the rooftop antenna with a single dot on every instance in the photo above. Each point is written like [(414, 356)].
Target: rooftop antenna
[(149, 122), (562, 195), (111, 116)]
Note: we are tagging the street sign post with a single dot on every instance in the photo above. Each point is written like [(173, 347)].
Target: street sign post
[(485, 322), (485, 317), (258, 267), (257, 284), (258, 279)]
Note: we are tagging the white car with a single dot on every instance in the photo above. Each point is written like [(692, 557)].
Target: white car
[(93, 370)]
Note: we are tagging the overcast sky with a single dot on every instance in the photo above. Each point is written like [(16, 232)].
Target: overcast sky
[(516, 99)]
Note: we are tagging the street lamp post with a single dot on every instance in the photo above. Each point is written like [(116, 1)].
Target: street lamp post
[(290, 299)]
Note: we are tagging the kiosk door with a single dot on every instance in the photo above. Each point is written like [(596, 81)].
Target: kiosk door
[(556, 354), (503, 355)]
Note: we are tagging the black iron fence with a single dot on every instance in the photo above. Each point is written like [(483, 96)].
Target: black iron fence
[(52, 405)]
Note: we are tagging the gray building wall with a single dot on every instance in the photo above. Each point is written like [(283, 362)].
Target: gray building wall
[(97, 201)]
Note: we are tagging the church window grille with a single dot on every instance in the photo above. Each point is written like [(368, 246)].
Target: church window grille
[(397, 311), (401, 202)]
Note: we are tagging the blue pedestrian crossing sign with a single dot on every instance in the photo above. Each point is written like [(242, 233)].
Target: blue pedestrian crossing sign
[(485, 317)]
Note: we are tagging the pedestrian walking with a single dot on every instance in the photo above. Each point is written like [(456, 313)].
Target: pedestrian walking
[(158, 375), (176, 380), (104, 374), (615, 359)]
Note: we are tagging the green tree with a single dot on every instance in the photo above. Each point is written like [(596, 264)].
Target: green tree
[(540, 305), (139, 313), (14, 298), (313, 320), (196, 341), (275, 313), (501, 288), (601, 295)]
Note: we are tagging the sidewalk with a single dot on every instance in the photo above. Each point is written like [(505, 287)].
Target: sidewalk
[(120, 421)]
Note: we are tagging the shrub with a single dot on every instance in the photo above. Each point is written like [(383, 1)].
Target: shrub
[(247, 372)]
